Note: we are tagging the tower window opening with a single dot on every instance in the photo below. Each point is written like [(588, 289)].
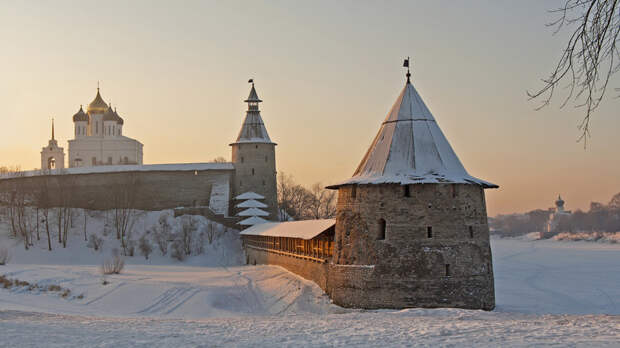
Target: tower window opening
[(471, 231), (353, 191), (257, 146), (447, 270), (240, 183), (242, 159), (429, 232), (382, 228), (263, 182), (252, 171), (455, 191), (407, 191)]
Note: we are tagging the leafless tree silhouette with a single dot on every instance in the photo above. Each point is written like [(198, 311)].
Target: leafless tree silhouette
[(589, 59)]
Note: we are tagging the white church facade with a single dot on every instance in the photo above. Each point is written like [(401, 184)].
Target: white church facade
[(98, 140)]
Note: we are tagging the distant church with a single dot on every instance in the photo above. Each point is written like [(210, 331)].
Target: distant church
[(98, 140)]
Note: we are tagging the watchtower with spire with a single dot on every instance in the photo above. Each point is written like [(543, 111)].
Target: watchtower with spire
[(254, 158), (412, 220), (52, 156)]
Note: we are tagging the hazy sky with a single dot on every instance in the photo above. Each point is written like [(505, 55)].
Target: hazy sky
[(328, 73)]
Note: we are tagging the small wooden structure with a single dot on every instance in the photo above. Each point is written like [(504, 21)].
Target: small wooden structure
[(309, 239)]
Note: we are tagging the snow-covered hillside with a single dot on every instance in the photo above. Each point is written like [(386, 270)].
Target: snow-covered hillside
[(548, 292)]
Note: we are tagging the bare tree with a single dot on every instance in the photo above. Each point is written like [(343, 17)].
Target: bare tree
[(162, 233), (590, 57), (219, 159), (299, 203), (123, 200), (321, 203)]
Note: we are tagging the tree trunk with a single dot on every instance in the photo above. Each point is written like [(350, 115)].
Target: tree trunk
[(47, 229), (59, 225), (38, 235), (85, 238)]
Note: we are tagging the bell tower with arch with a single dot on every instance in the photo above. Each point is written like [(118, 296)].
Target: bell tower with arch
[(52, 156)]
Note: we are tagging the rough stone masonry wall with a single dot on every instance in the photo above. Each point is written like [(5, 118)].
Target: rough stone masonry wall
[(146, 190), (255, 170), (311, 270), (409, 267)]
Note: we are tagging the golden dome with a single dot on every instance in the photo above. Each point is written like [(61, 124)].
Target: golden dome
[(97, 106)]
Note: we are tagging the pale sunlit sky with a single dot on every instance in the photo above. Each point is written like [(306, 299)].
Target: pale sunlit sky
[(328, 73)]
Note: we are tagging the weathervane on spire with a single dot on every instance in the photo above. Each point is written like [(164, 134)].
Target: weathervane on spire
[(53, 128), (406, 65), (251, 81)]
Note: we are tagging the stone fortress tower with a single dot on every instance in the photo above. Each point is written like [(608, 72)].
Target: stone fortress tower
[(254, 158), (413, 214), (52, 156)]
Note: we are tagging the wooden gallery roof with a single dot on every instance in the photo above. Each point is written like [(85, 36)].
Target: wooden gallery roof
[(306, 229)]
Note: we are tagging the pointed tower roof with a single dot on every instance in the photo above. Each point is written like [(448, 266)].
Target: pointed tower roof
[(410, 148), (97, 106), (253, 129)]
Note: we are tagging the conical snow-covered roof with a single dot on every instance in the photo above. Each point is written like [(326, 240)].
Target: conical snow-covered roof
[(249, 195), (254, 220), (253, 212), (253, 129), (410, 148), (251, 203)]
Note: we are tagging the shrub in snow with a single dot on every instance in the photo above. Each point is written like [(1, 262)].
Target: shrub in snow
[(188, 228), (130, 248), (199, 244), (94, 242), (161, 233), (145, 246), (113, 265), (4, 255), (177, 250)]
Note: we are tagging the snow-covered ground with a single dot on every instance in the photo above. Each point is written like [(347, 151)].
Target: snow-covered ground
[(548, 293)]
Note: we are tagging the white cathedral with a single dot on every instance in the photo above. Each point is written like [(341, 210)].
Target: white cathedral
[(98, 140)]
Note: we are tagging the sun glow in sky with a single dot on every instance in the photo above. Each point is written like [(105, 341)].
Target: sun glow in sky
[(328, 73)]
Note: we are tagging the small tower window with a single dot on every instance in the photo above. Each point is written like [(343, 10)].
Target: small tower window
[(353, 191), (195, 172), (252, 171), (241, 159), (447, 270), (455, 191), (382, 228), (257, 146), (407, 191), (429, 232), (471, 231), (263, 182)]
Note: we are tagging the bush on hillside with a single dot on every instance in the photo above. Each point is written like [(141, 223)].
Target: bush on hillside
[(145, 246), (94, 242), (4, 255), (113, 265)]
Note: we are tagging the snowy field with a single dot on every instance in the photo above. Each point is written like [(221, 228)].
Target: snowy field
[(548, 293)]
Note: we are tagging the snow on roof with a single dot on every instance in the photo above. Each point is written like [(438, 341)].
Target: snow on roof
[(252, 203), (305, 229), (127, 168), (249, 195), (410, 148), (253, 212), (254, 220)]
